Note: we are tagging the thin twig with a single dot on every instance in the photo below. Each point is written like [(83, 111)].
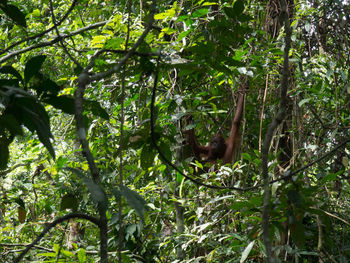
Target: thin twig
[(41, 33), (262, 111), (117, 67), (59, 36), (51, 42), (122, 121)]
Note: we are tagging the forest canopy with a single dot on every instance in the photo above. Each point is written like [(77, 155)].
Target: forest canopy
[(174, 131)]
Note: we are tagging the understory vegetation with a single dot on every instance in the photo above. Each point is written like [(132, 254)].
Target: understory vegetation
[(107, 109)]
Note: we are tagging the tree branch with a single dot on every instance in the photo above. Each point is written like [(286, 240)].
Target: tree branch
[(268, 137), (117, 67), (42, 33), (53, 224), (53, 41), (59, 36)]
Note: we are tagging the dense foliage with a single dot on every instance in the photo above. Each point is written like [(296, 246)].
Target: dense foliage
[(94, 162)]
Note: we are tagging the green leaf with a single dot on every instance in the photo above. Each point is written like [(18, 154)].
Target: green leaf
[(81, 255), (20, 202), (61, 161), (238, 7), (97, 193), (47, 86), (147, 157), (246, 251), (28, 111), (35, 118), (33, 66), (69, 201), (209, 3), (8, 121), (96, 109), (4, 154), (246, 156), (200, 12), (183, 34), (294, 198), (66, 253), (75, 171), (117, 194), (229, 11), (329, 177), (48, 254), (10, 70), (135, 200), (297, 231), (303, 101), (15, 14), (165, 149), (9, 82), (179, 178), (131, 229), (64, 103), (114, 218)]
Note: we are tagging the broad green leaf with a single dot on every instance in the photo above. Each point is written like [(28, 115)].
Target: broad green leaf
[(114, 218), (165, 149), (81, 253), (15, 14), (47, 86), (98, 41), (115, 43), (10, 70), (200, 12), (135, 200), (96, 109), (183, 34), (117, 194), (190, 126), (238, 6), (69, 201), (131, 229), (61, 161), (97, 193), (246, 156), (229, 11), (246, 251), (35, 118), (4, 154), (168, 14), (160, 16), (179, 177), (9, 122), (64, 103), (294, 197), (329, 177), (33, 66), (303, 101), (147, 157), (76, 171), (297, 231)]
